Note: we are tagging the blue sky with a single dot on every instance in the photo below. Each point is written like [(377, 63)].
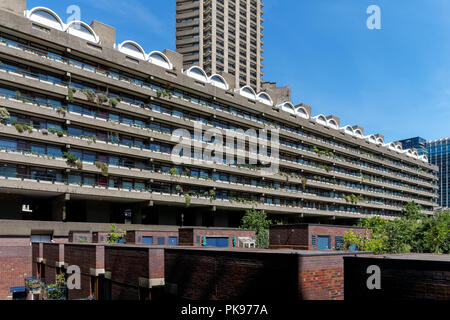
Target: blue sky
[(394, 81)]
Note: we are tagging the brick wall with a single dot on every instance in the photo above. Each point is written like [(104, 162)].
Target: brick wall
[(15, 263), (289, 237), (321, 277), (135, 237), (188, 236), (53, 254), (401, 278), (126, 265), (300, 236), (231, 275), (332, 232), (87, 257), (100, 237), (75, 235)]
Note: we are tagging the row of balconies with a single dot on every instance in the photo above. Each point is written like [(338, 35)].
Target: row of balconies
[(167, 198), (184, 123), (72, 141), (147, 174), (358, 155), (127, 129)]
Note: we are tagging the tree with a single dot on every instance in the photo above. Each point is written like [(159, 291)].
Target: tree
[(414, 232), (437, 234), (116, 235), (413, 211), (257, 220)]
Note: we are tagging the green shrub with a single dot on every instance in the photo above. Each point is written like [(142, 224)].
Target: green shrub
[(103, 166), (102, 98), (4, 115), (116, 235), (71, 159), (19, 127), (114, 101), (70, 93)]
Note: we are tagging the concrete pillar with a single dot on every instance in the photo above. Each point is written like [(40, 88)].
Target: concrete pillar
[(107, 34), (58, 207), (16, 6)]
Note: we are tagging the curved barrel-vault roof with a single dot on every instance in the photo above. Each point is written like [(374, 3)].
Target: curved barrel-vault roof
[(50, 19)]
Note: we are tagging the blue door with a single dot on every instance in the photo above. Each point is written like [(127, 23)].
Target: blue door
[(216, 242), (147, 240), (173, 241), (323, 243)]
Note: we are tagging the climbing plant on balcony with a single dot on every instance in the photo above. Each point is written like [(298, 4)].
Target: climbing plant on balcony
[(71, 159), (101, 98), (4, 115), (114, 101), (19, 127), (70, 92), (103, 166)]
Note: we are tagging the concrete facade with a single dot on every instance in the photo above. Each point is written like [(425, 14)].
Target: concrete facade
[(223, 37), (42, 185)]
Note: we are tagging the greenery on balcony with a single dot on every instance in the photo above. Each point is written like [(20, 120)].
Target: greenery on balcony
[(164, 93), (72, 160), (4, 115), (103, 166), (355, 199), (323, 152)]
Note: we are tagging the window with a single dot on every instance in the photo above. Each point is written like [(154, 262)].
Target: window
[(339, 242)]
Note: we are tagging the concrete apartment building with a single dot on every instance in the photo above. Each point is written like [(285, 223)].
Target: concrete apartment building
[(223, 37), (71, 151)]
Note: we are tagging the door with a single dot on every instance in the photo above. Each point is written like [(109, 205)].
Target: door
[(147, 240), (173, 241), (217, 242), (323, 243)]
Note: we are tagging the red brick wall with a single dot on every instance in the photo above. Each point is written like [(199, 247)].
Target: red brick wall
[(300, 236), (15, 263), (332, 232), (321, 277), (289, 237), (53, 253), (231, 275), (84, 256), (135, 237), (97, 237), (128, 264), (188, 236), (73, 236)]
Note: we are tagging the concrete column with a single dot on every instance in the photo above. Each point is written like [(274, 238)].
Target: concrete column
[(16, 6), (58, 207)]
